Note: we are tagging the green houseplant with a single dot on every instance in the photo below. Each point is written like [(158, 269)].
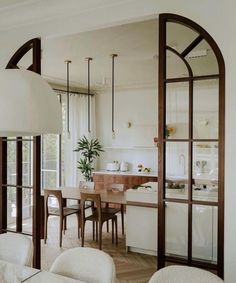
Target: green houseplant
[(89, 150)]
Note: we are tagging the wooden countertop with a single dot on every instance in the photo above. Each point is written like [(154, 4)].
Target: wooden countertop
[(127, 173)]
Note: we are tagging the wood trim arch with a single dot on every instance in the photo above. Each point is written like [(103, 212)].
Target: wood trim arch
[(203, 34)]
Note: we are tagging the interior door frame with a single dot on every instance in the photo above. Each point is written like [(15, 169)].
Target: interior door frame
[(202, 34)]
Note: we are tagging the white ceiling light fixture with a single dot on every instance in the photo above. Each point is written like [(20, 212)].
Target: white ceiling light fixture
[(28, 105)]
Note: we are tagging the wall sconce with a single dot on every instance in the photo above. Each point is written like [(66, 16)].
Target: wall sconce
[(128, 125)]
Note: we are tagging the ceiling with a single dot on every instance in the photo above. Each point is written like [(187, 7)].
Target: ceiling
[(136, 64), (16, 13), (135, 43)]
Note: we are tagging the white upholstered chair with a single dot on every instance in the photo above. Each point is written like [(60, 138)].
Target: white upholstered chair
[(184, 274), (16, 248), (85, 264)]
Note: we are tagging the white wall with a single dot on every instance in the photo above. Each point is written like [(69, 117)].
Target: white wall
[(216, 16), (131, 144)]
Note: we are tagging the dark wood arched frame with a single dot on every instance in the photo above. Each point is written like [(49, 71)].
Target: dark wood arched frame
[(35, 46), (163, 81)]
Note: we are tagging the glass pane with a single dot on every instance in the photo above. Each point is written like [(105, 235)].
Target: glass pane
[(176, 229), (26, 60), (215, 232), (204, 231), (177, 110), (179, 36), (175, 66), (206, 109), (49, 161), (202, 60), (11, 162), (27, 204), (176, 170), (11, 208), (205, 171), (27, 161)]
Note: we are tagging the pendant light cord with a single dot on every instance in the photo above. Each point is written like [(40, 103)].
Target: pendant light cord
[(68, 94), (113, 93), (89, 107)]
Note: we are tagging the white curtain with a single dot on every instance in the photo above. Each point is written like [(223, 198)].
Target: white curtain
[(78, 126)]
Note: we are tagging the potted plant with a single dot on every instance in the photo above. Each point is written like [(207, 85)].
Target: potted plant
[(89, 150)]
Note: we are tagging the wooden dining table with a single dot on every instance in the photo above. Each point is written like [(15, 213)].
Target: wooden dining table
[(113, 196)]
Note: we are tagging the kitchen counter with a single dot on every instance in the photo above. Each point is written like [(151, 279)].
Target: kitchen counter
[(141, 219), (141, 222), (129, 178), (128, 173)]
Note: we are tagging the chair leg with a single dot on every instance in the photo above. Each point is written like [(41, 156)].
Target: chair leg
[(112, 231), (122, 219), (96, 230), (64, 202), (64, 226), (82, 233), (100, 236), (93, 230), (107, 205), (45, 229), (78, 220), (60, 230), (116, 231)]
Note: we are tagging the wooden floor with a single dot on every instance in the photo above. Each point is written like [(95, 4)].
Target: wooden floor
[(130, 267)]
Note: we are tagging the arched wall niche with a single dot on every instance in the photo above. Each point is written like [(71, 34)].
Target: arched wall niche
[(201, 151)]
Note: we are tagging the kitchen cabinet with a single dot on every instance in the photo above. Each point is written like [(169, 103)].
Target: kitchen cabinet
[(176, 229), (204, 233), (141, 221), (102, 179), (141, 225)]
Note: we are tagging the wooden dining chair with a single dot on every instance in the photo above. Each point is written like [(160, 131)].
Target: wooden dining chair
[(60, 211), (82, 185), (85, 185), (116, 188), (97, 217)]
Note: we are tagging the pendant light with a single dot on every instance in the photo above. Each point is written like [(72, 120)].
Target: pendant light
[(89, 59), (113, 56), (28, 105), (68, 95)]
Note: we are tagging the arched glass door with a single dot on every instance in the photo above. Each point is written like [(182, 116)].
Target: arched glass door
[(191, 145)]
